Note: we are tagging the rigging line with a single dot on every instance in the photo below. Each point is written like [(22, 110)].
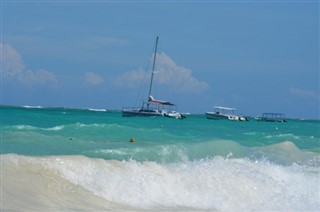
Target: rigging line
[(153, 66), (142, 91)]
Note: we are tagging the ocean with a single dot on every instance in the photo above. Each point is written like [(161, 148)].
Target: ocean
[(60, 159)]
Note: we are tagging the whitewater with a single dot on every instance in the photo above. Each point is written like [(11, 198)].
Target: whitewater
[(59, 159)]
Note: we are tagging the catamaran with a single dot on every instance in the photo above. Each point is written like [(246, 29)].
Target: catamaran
[(227, 113), (153, 107)]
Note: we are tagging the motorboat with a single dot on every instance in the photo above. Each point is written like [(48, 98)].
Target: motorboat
[(225, 113)]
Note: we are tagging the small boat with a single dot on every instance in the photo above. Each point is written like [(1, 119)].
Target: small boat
[(272, 117), (154, 107), (225, 113), (175, 114)]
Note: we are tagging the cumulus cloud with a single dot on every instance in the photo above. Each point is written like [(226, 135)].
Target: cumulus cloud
[(131, 78), (14, 68), (303, 93), (11, 61), (39, 76), (178, 78), (92, 78)]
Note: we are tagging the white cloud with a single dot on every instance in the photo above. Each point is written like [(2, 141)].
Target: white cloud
[(177, 77), (130, 79), (12, 64), (168, 73), (303, 93), (92, 78), (39, 76), (14, 68)]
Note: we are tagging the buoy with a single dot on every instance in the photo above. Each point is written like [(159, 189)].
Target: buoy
[(132, 140)]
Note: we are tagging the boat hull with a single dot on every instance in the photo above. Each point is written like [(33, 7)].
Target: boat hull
[(174, 114), (139, 112), (220, 116), (146, 113), (215, 116)]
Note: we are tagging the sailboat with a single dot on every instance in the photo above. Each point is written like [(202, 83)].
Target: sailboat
[(153, 107)]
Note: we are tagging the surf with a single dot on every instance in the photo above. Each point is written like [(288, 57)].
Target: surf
[(77, 159), (218, 183)]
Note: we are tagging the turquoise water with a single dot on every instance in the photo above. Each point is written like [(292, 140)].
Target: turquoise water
[(191, 164)]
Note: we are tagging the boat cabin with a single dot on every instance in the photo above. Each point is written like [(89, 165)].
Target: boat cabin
[(273, 117)]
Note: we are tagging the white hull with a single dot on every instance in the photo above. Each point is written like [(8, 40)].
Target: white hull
[(174, 114), (219, 116)]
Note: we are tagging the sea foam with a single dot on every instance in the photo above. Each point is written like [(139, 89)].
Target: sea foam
[(218, 183), (28, 127)]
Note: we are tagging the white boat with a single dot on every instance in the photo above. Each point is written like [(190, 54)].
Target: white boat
[(225, 113), (174, 114), (153, 107)]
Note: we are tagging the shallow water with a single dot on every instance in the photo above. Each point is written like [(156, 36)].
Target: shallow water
[(71, 159)]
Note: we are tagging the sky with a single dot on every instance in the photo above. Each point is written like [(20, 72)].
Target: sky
[(256, 56)]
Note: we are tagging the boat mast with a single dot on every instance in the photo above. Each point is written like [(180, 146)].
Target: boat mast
[(153, 66)]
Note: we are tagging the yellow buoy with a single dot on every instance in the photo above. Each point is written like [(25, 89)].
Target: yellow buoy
[(132, 140)]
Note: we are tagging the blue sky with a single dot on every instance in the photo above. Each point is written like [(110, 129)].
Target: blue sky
[(256, 56)]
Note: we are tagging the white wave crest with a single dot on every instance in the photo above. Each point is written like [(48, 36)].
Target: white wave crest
[(56, 128), (219, 183), (30, 106), (97, 110), (24, 127), (28, 127)]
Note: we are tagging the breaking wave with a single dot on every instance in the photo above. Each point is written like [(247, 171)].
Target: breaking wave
[(219, 183)]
